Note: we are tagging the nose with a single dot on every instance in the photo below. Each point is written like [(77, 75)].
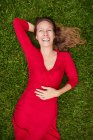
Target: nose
[(45, 33)]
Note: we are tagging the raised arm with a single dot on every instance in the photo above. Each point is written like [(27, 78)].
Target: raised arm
[(21, 26)]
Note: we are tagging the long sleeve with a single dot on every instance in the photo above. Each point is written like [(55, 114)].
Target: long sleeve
[(70, 70), (21, 26)]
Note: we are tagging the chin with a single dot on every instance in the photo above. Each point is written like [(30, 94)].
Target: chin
[(46, 44)]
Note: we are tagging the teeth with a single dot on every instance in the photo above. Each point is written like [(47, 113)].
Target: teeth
[(45, 39)]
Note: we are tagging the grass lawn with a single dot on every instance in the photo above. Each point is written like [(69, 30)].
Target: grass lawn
[(75, 117)]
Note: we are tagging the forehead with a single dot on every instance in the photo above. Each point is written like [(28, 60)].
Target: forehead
[(44, 24)]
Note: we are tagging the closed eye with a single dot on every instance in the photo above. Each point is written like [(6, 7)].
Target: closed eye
[(50, 30), (40, 30)]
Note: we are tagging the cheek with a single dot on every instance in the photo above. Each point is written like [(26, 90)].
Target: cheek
[(37, 37), (53, 36)]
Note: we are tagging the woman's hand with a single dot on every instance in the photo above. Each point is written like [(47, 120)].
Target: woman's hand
[(46, 93), (31, 27)]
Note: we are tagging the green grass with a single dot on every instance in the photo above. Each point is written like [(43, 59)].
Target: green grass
[(75, 118)]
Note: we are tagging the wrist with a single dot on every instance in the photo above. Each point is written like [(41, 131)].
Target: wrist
[(64, 89), (58, 93), (31, 27)]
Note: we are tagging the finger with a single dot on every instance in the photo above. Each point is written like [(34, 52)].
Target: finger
[(42, 91), (39, 93), (44, 87), (41, 97)]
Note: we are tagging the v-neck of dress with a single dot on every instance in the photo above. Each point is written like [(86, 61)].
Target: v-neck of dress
[(48, 70)]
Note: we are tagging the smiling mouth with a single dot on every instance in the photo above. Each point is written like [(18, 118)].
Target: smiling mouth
[(45, 39)]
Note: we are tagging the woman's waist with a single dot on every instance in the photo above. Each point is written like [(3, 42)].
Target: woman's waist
[(29, 93), (32, 84)]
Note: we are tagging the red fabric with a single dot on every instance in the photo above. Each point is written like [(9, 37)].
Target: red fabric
[(33, 118)]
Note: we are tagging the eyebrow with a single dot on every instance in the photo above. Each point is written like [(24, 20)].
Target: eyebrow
[(47, 28)]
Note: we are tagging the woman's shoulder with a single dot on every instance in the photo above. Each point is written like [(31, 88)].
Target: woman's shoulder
[(65, 57), (64, 54)]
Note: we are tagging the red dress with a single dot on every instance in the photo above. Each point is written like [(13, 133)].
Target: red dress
[(33, 118)]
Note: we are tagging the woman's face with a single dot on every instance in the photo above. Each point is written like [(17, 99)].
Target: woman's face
[(45, 34)]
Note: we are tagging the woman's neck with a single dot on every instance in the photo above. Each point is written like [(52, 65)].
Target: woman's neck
[(47, 51)]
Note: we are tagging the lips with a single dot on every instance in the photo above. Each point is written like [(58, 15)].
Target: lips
[(45, 39)]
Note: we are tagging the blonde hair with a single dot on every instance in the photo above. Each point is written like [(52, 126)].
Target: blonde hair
[(67, 37)]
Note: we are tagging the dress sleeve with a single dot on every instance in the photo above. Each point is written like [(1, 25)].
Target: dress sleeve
[(70, 70), (20, 27)]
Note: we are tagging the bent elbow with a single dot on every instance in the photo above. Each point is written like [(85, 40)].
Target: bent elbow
[(73, 82), (16, 21)]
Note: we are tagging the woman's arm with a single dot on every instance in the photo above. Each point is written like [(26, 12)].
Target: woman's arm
[(64, 89), (21, 27), (48, 92), (71, 73)]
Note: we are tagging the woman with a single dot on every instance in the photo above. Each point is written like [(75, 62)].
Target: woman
[(35, 114)]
